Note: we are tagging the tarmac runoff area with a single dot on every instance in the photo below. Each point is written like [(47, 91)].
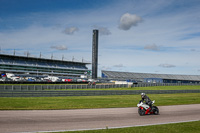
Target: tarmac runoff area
[(92, 119)]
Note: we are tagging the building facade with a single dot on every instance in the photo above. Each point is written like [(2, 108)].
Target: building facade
[(32, 66)]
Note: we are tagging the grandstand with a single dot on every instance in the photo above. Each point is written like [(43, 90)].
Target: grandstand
[(32, 66), (152, 78)]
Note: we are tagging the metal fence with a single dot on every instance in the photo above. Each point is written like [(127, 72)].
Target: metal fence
[(88, 93), (56, 87), (63, 90), (66, 87)]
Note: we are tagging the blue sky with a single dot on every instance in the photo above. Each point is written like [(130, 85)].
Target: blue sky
[(147, 36)]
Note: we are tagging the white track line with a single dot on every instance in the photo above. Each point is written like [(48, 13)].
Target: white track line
[(111, 127)]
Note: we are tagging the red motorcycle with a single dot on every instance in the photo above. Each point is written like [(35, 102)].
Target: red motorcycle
[(144, 109)]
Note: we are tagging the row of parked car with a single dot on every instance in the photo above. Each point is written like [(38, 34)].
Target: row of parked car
[(13, 77)]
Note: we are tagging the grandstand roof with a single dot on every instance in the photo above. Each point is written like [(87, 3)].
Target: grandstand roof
[(42, 59), (132, 75)]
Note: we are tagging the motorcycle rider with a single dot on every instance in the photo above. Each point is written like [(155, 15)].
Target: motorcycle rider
[(146, 99)]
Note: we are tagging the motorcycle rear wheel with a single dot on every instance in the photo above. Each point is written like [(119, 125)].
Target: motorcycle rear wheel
[(141, 112)]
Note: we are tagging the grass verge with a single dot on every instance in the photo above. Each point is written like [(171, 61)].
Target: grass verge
[(83, 102), (186, 127)]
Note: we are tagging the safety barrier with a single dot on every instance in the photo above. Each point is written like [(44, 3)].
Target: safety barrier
[(59, 87), (63, 90), (33, 87)]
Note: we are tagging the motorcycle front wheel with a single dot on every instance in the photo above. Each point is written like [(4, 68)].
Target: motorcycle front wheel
[(155, 110)]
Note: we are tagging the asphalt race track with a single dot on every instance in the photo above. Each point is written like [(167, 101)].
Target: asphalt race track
[(61, 120)]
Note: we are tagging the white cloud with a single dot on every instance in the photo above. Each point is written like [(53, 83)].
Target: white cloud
[(167, 65), (70, 30), (104, 31), (153, 47), (128, 20), (119, 65), (105, 68), (60, 47)]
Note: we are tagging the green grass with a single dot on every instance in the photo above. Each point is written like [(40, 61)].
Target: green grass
[(186, 127), (83, 102)]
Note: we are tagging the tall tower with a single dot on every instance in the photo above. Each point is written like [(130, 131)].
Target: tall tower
[(95, 54)]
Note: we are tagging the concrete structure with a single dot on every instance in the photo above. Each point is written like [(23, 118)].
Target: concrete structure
[(95, 54)]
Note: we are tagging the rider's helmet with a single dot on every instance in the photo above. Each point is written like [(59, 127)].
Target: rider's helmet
[(143, 95)]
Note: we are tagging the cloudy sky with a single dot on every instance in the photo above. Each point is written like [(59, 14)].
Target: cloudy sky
[(145, 36)]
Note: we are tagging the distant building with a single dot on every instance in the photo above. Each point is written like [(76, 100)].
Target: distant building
[(150, 78)]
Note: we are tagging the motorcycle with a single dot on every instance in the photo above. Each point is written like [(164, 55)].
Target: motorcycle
[(144, 109)]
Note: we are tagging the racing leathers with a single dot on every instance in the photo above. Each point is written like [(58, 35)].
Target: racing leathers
[(147, 101)]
